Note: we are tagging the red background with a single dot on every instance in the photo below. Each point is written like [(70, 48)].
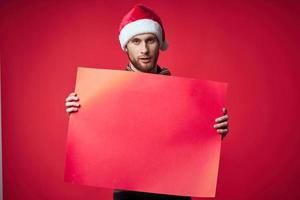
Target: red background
[(254, 46)]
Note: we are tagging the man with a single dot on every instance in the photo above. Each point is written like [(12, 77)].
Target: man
[(142, 36)]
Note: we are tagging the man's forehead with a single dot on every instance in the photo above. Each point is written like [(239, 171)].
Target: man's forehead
[(144, 36)]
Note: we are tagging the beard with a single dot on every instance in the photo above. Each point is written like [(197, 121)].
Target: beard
[(144, 67)]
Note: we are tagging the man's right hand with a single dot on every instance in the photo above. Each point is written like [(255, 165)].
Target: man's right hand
[(72, 103)]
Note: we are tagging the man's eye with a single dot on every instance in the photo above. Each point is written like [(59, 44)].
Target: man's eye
[(135, 41), (151, 41)]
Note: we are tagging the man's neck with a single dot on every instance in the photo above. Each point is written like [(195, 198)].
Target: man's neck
[(153, 70)]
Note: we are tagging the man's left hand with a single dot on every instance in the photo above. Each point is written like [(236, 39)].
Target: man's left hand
[(222, 124)]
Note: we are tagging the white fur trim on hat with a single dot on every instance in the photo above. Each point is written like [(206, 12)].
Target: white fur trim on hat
[(139, 27)]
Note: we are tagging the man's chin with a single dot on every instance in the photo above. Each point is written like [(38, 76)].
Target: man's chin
[(145, 68)]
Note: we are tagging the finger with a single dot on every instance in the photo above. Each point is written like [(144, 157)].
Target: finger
[(222, 119), (224, 110), (222, 131), (221, 125), (72, 104), (72, 98), (71, 110), (73, 94)]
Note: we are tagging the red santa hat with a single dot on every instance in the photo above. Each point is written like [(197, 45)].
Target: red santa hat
[(139, 20)]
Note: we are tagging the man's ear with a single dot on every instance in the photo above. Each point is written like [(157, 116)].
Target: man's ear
[(126, 48)]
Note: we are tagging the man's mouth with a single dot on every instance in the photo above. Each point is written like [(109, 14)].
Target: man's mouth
[(145, 59)]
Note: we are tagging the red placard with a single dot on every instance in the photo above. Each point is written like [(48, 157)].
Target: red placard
[(145, 132)]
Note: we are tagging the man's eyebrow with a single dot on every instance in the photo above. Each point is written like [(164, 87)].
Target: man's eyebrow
[(151, 38), (135, 39)]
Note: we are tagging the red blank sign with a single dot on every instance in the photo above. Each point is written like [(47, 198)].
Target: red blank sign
[(145, 132)]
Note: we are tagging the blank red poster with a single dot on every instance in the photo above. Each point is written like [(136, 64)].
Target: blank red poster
[(145, 132)]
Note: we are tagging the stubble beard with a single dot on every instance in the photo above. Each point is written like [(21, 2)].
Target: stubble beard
[(137, 65)]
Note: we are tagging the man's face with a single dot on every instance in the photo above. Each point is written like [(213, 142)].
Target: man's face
[(143, 51)]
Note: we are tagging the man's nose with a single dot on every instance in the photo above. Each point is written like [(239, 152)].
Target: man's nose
[(144, 48)]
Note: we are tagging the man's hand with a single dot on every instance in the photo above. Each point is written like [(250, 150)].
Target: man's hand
[(72, 103), (222, 124)]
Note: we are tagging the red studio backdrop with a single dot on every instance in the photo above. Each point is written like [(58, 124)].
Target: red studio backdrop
[(254, 46)]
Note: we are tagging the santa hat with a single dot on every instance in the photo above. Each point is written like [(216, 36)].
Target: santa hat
[(139, 20)]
